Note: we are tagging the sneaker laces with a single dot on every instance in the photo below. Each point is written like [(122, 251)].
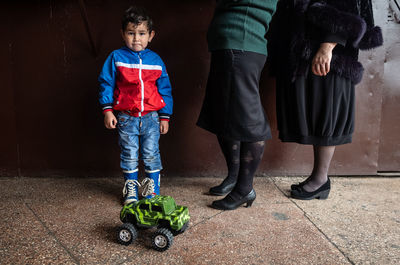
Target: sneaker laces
[(148, 184), (129, 188)]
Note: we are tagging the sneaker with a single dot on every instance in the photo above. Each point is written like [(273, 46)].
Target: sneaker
[(149, 188), (130, 191), (152, 183)]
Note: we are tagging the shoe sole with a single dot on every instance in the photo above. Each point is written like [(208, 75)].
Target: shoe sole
[(322, 195), (248, 205)]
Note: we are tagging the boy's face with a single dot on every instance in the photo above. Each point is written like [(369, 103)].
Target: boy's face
[(137, 37)]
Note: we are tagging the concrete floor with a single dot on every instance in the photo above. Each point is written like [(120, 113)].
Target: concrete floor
[(74, 220)]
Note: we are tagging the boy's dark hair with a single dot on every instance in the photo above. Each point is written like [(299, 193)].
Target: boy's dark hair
[(136, 15)]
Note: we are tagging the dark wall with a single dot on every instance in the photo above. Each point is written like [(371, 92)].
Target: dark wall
[(51, 120), (53, 123)]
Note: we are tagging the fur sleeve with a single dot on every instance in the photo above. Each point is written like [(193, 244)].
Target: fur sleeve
[(372, 38), (335, 21)]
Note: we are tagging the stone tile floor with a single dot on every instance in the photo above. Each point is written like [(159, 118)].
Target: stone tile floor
[(64, 220)]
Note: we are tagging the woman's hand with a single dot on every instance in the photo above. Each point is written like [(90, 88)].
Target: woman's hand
[(321, 64)]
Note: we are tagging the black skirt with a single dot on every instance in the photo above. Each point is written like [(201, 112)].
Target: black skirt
[(316, 110), (232, 106)]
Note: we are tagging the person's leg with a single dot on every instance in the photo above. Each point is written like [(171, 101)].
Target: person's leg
[(322, 160), (231, 151), (250, 157), (149, 149), (129, 144)]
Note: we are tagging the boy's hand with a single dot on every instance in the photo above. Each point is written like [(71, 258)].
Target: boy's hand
[(109, 120), (164, 125)]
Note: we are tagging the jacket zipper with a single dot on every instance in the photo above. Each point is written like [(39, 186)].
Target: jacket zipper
[(142, 87)]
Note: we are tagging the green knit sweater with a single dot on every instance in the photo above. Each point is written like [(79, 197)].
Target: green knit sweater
[(241, 25)]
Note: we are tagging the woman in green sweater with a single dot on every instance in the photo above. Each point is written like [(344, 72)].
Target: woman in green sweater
[(232, 107)]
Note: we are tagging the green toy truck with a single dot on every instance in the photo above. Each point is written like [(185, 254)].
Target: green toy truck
[(161, 212)]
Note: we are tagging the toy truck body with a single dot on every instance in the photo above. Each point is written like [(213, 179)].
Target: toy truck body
[(161, 212)]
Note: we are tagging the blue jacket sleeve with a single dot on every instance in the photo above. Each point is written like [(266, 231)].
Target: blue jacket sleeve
[(165, 90), (107, 79)]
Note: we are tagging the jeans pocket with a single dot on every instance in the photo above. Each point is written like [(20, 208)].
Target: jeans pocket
[(154, 117), (123, 119)]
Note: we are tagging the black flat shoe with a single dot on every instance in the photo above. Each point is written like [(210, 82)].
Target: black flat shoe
[(229, 203), (223, 188), (298, 185), (322, 193)]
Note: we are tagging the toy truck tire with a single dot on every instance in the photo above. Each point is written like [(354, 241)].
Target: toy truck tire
[(162, 239), (127, 233)]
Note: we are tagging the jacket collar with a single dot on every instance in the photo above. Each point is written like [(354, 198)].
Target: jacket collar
[(137, 53)]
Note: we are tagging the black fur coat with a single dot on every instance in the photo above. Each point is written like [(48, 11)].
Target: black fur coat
[(300, 26)]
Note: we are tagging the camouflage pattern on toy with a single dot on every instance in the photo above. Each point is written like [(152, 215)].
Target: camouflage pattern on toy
[(157, 211)]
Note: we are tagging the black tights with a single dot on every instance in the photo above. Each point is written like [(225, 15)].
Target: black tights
[(231, 151), (322, 160), (242, 159)]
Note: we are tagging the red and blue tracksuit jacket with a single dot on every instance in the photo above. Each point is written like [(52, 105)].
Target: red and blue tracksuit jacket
[(135, 83)]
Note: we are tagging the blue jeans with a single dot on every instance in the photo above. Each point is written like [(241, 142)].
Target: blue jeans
[(139, 134)]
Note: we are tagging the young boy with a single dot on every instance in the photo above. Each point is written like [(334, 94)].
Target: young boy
[(135, 83)]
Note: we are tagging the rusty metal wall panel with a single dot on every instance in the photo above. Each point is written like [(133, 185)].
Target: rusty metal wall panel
[(361, 156), (357, 158), (389, 148), (52, 87)]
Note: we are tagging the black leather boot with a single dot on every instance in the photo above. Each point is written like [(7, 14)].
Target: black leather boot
[(222, 189), (233, 202)]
